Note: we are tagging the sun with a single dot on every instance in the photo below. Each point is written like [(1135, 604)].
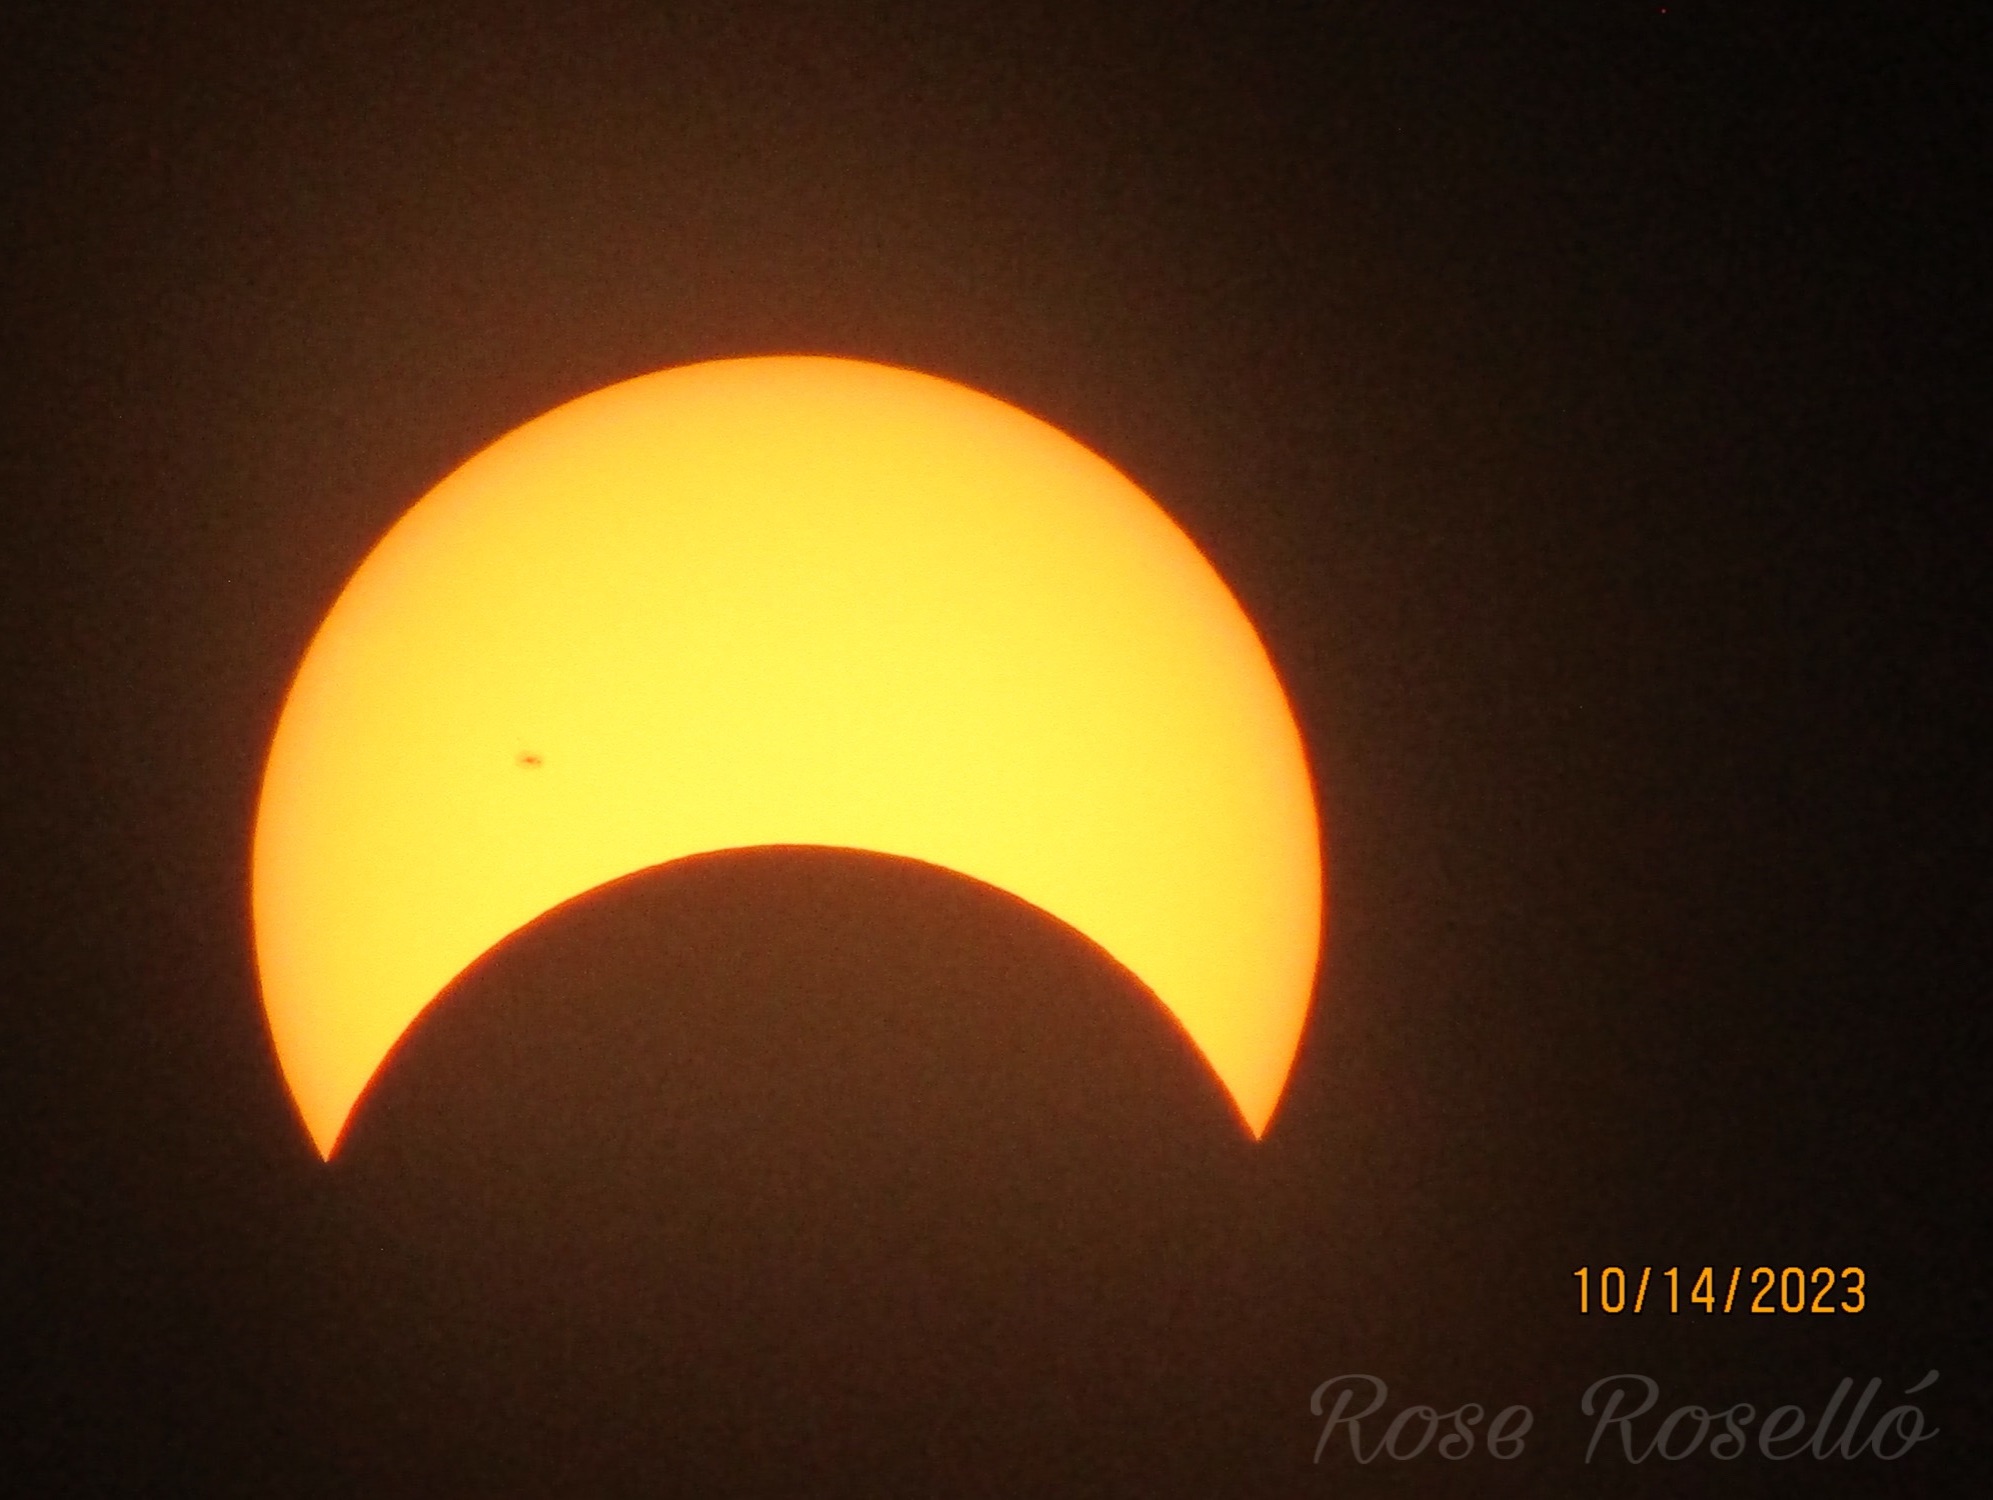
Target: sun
[(789, 600)]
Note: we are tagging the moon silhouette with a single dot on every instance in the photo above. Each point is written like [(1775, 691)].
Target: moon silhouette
[(783, 601)]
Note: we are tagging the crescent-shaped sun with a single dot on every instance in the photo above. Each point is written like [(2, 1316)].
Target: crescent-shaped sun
[(782, 601)]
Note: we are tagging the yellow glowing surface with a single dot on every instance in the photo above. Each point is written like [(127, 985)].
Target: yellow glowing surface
[(782, 601)]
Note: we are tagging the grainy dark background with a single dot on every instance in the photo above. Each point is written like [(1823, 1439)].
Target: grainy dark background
[(1577, 398)]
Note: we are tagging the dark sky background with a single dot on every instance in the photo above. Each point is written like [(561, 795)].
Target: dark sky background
[(1578, 401)]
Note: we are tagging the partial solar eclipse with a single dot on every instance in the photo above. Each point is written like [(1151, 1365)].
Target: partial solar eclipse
[(783, 601)]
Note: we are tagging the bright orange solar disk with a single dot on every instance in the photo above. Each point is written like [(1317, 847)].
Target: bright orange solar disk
[(783, 601)]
